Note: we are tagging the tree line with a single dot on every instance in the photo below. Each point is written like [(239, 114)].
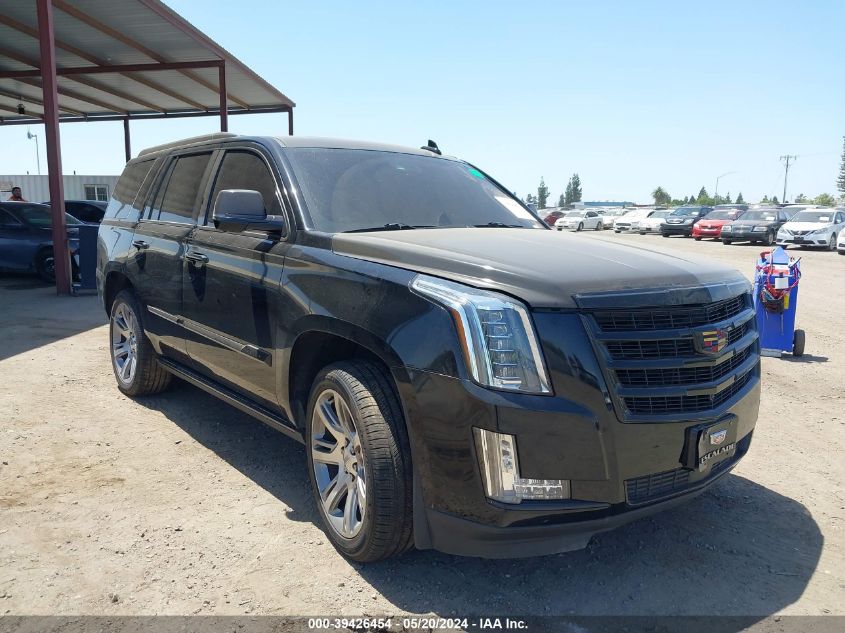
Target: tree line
[(661, 197), (570, 195)]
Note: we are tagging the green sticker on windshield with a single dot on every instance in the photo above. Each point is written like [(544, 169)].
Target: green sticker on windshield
[(476, 173)]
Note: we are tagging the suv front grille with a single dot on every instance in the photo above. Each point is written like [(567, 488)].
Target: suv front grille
[(666, 348), (671, 318), (681, 375), (670, 377), (656, 405)]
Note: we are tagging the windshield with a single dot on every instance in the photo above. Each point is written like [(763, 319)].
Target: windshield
[(39, 215), (353, 190), (767, 216), (575, 214), (660, 214), (723, 215), (823, 216), (686, 211)]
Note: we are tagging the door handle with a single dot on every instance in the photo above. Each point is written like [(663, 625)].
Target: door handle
[(197, 259), (141, 245)]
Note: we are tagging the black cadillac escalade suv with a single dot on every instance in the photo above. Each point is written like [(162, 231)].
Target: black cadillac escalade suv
[(391, 309)]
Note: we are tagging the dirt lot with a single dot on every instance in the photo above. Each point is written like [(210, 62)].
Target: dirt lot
[(179, 504)]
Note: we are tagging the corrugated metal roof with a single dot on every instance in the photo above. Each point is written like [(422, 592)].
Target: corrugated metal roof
[(96, 33)]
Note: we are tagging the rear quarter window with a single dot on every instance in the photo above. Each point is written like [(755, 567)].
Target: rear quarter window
[(131, 190)]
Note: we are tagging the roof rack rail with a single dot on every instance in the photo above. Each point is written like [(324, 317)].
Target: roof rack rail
[(186, 141)]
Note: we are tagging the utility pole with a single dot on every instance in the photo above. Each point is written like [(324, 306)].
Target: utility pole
[(786, 160)]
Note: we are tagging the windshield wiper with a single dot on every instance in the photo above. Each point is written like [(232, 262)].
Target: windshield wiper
[(498, 225), (391, 226)]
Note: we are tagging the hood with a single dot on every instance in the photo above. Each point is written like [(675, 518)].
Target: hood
[(808, 226), (744, 222), (546, 269), (714, 223)]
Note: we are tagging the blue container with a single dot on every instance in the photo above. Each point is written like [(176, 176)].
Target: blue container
[(776, 303), (88, 255)]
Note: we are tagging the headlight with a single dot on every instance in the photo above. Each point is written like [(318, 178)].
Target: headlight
[(497, 335), (760, 228), (727, 228), (689, 220), (785, 232), (820, 231)]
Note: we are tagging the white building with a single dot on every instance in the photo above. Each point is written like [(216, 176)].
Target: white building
[(37, 188)]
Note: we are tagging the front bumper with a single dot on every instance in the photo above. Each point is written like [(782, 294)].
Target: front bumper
[(805, 240), (743, 236), (676, 229), (619, 471), (701, 232)]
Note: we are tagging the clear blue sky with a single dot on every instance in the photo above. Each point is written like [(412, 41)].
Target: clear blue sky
[(630, 95)]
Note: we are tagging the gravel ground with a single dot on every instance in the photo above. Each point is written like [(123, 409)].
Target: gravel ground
[(179, 504)]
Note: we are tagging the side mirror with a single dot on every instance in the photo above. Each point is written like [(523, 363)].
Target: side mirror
[(237, 210)]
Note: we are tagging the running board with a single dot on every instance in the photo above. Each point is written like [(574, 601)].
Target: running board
[(270, 418)]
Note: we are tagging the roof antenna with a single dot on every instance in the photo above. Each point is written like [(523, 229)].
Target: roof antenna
[(432, 147)]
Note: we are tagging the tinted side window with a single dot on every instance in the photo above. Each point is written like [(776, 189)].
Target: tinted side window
[(182, 189), (134, 181), (246, 170), (7, 219)]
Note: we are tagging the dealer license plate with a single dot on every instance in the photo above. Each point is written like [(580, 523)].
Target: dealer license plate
[(706, 445)]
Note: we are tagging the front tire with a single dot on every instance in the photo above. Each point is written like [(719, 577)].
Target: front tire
[(134, 361), (580, 226), (697, 238), (359, 461), (665, 234), (831, 245), (727, 242), (799, 338)]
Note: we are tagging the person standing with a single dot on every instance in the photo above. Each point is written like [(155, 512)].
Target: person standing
[(16, 195)]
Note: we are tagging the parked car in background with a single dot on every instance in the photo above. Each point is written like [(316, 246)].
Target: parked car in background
[(610, 215), (26, 239), (756, 225), (87, 211), (840, 246), (813, 227), (711, 224), (579, 220), (629, 220), (682, 219), (653, 222), (553, 217)]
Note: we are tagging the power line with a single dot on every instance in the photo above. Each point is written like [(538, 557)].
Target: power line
[(786, 160)]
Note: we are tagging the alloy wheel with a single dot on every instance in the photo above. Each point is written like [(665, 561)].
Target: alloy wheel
[(124, 343), (338, 462)]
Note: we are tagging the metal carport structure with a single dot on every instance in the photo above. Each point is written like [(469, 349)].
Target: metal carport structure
[(65, 61)]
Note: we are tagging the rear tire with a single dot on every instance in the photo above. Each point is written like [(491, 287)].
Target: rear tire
[(798, 341), (45, 266), (358, 447), (599, 227), (134, 361)]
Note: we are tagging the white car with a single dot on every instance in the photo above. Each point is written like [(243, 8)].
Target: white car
[(611, 215), (631, 220), (580, 220), (813, 227), (652, 223)]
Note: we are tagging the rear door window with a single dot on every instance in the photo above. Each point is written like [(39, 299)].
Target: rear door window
[(178, 197)]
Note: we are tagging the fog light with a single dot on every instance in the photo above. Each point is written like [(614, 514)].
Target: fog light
[(500, 472)]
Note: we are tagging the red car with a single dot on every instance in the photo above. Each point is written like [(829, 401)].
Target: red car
[(553, 217), (711, 224)]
